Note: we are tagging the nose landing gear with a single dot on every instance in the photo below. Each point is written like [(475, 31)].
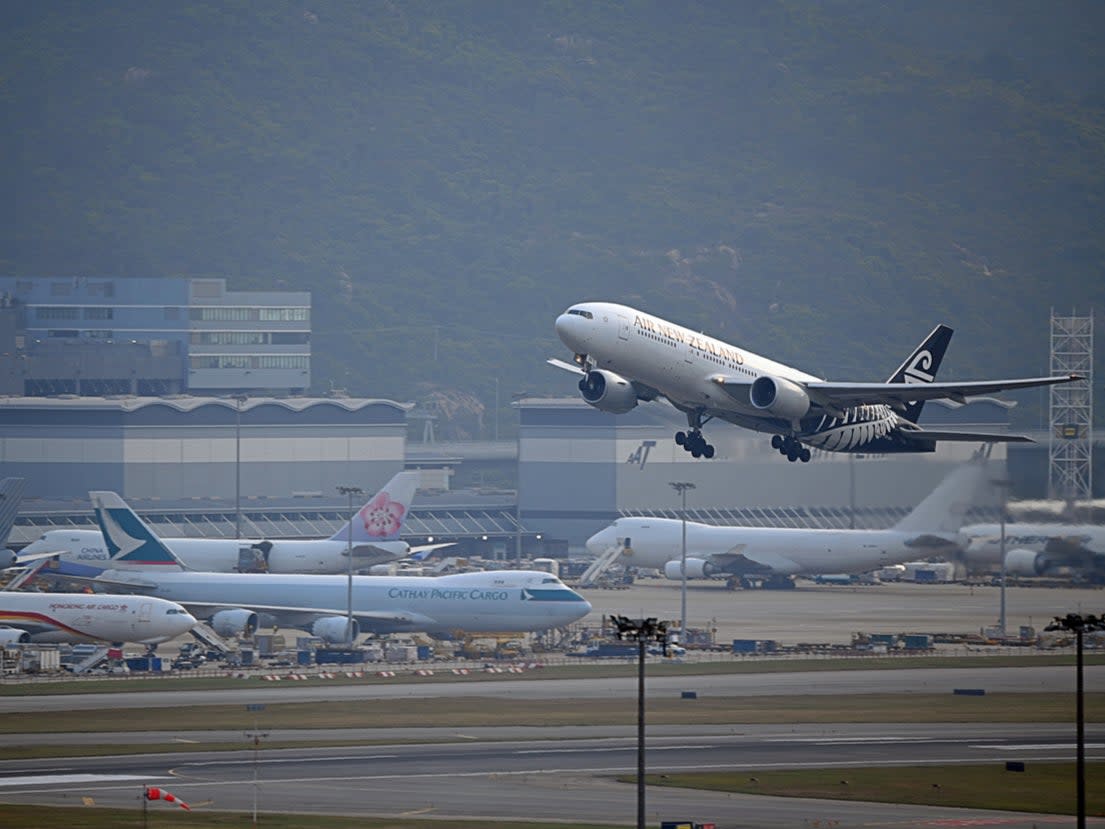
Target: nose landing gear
[(694, 443), (791, 447)]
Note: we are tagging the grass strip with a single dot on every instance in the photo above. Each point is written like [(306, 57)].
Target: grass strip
[(1042, 787)]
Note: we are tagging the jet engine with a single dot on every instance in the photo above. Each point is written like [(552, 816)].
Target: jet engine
[(14, 636), (697, 568), (608, 392), (332, 629), (237, 622), (1025, 563), (779, 397)]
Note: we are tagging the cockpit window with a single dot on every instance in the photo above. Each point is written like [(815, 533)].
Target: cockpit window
[(580, 313), (550, 581)]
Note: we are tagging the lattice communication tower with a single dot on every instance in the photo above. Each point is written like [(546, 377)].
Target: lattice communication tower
[(1070, 454)]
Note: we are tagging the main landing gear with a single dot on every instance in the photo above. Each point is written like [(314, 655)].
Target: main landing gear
[(791, 447), (694, 443)]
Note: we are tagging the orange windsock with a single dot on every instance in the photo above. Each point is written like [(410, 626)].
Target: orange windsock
[(154, 793)]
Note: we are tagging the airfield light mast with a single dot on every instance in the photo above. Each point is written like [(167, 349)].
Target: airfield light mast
[(350, 491)]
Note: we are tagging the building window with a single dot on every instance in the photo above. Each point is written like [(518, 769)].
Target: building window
[(61, 288), (172, 313), (99, 312), (48, 312)]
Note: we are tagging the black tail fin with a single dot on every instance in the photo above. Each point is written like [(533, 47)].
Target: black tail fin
[(921, 366)]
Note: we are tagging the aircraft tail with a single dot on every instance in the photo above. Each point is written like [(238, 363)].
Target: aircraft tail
[(130, 542), (11, 495), (944, 510), (382, 518), (921, 366)]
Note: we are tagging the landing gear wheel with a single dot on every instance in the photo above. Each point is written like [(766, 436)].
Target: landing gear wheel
[(776, 441), (792, 454), (681, 438), (804, 455), (708, 451)]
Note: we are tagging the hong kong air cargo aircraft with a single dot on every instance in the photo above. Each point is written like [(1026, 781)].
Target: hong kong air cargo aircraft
[(235, 603), (375, 539), (625, 356), (77, 617), (772, 555)]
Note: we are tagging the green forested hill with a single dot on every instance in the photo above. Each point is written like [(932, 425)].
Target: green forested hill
[(818, 181)]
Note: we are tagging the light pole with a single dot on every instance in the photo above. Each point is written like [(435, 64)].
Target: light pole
[(239, 399), (1079, 624), (681, 487), (256, 735), (350, 491), (642, 631), (1003, 484)]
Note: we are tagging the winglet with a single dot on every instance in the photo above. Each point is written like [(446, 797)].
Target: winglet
[(382, 518), (130, 543)]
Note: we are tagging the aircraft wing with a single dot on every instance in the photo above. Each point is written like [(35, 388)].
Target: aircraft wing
[(371, 621), (740, 559), (831, 395), (898, 395), (964, 437)]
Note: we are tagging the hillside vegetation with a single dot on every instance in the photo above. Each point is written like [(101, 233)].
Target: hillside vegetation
[(821, 182)]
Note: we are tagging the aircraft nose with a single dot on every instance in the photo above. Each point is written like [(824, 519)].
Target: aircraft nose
[(603, 540), (572, 330)]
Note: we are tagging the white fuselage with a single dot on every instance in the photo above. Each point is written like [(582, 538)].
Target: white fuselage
[(653, 542), (493, 601), (680, 364), (221, 555), (79, 617)]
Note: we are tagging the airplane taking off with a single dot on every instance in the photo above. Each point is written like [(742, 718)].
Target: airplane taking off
[(771, 555), (233, 603), (624, 356), (77, 617), (375, 539)]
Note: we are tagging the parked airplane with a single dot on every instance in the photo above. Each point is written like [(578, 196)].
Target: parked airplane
[(624, 356), (1037, 549), (375, 539), (492, 601), (771, 555), (77, 617), (11, 495)]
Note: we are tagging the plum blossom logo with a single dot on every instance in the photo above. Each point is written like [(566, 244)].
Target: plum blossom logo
[(382, 516)]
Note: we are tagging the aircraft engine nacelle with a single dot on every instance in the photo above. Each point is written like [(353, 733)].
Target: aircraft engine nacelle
[(7, 558), (1025, 563), (779, 397), (332, 629), (237, 622), (14, 636), (697, 568), (608, 392)]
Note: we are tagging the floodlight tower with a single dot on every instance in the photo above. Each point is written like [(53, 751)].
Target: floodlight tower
[(1070, 446)]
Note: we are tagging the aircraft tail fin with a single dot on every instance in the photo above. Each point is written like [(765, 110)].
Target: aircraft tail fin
[(11, 495), (944, 510), (921, 366), (382, 518), (130, 542)]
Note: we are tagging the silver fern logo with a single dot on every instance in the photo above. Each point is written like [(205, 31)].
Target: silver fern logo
[(920, 370)]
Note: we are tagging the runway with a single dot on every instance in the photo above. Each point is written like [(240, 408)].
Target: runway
[(531, 777)]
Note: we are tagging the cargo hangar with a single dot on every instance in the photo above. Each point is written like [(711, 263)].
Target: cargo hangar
[(187, 399), (191, 465)]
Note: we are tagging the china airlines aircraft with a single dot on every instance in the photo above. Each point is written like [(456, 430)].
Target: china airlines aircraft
[(375, 539), (624, 356)]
